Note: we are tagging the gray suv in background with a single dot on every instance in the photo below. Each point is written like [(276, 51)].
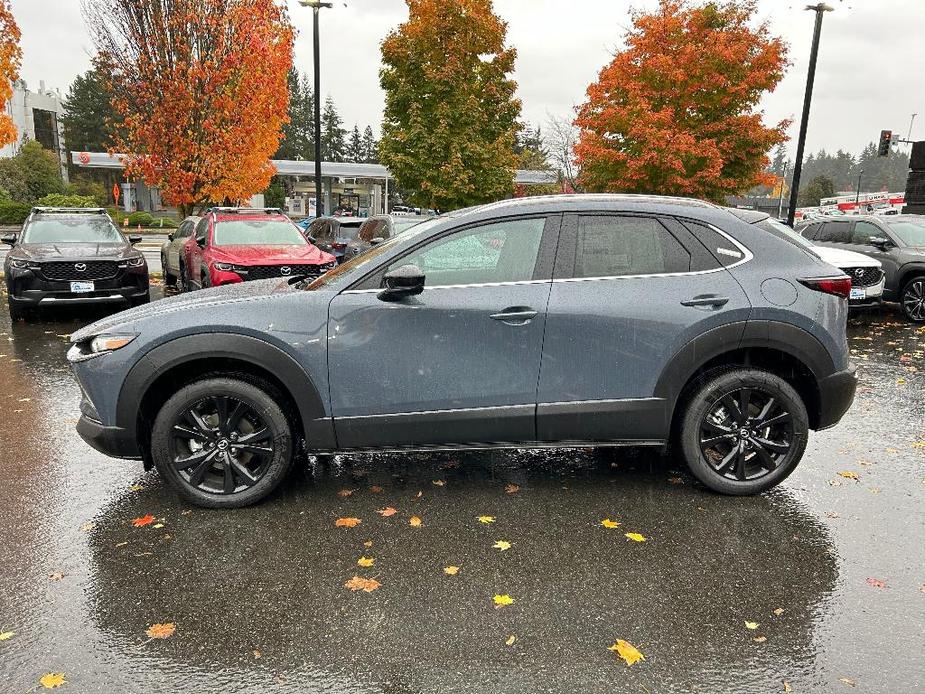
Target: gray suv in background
[(898, 242), (585, 320)]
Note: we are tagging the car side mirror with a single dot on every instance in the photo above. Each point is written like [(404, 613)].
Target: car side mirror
[(407, 280), (376, 240), (311, 239), (201, 241), (134, 239), (880, 242), (9, 239), (170, 236)]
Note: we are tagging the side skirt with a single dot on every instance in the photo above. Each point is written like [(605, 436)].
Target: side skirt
[(527, 445)]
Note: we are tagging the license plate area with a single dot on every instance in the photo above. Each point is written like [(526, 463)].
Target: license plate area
[(858, 293), (82, 287)]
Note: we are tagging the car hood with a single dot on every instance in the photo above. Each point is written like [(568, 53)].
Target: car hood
[(271, 255), (842, 258), (200, 301), (72, 251)]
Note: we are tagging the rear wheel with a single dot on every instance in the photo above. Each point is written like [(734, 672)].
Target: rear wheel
[(743, 431), (222, 442), (912, 299)]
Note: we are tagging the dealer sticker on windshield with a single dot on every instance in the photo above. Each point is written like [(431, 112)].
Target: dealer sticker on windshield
[(81, 287), (858, 293)]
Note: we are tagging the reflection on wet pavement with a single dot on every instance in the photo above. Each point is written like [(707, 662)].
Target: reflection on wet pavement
[(258, 595)]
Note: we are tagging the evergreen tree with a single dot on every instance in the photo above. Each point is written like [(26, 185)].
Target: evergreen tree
[(531, 150), (289, 146), (306, 115), (89, 117), (818, 188), (333, 135), (370, 146), (355, 146)]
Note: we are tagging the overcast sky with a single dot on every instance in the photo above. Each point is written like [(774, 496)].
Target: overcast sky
[(871, 72)]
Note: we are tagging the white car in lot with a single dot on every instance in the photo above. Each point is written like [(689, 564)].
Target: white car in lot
[(867, 277)]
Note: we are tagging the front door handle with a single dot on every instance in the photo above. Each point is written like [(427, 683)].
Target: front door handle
[(707, 300), (516, 315)]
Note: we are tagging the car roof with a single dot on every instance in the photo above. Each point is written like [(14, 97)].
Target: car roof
[(749, 216)]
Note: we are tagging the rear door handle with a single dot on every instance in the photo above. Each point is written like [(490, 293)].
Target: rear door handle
[(516, 315), (708, 300)]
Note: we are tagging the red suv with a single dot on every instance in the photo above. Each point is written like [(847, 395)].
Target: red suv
[(233, 244)]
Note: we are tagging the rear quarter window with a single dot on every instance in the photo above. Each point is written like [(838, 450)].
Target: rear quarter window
[(722, 249)]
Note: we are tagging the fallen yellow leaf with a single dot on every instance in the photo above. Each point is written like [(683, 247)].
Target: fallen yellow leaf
[(502, 600), (368, 544), (627, 651), (257, 653), (787, 686), (438, 483), (56, 576), (135, 488), (52, 680), (365, 562), (779, 611), (918, 444), (760, 639), (161, 631), (847, 680), (347, 522), (386, 512), (751, 625), (607, 523), (158, 525), (7, 635), (87, 527), (503, 545), (486, 519), (451, 570), (849, 475), (635, 537), (510, 640), (415, 522), (367, 585)]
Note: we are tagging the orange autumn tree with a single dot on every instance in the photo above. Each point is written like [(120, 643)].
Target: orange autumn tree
[(200, 90), (676, 111), (10, 58)]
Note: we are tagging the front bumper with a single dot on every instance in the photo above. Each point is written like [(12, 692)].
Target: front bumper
[(873, 296), (112, 441), (29, 289), (836, 393)]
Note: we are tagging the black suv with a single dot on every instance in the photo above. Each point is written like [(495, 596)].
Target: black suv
[(72, 256), (898, 242)]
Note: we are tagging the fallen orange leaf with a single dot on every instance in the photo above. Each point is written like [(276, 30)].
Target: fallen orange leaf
[(52, 680), (347, 522), (415, 522), (512, 489), (876, 583), (344, 493), (627, 651), (144, 520), (367, 585), (161, 631), (386, 512), (368, 544), (376, 489)]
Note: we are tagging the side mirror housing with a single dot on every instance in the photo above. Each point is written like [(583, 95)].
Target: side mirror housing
[(134, 239), (312, 240), (9, 239), (170, 236), (407, 280), (376, 241), (880, 242), (201, 241)]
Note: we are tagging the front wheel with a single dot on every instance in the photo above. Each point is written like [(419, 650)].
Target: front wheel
[(222, 442), (169, 279), (912, 299), (743, 431)]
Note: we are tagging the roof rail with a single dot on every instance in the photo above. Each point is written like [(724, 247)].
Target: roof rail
[(245, 210), (70, 210)]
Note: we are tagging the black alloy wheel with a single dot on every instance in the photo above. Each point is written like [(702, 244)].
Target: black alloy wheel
[(743, 430), (913, 299), (224, 441)]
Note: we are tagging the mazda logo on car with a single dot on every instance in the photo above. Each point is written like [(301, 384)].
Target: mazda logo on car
[(80, 267), (859, 272), (285, 270)]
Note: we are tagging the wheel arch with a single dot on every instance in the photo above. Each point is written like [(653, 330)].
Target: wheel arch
[(780, 348), (166, 368)]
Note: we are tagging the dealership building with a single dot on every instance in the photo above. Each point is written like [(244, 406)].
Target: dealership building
[(361, 189), (37, 116)]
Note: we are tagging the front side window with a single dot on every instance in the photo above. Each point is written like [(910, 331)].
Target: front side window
[(201, 230), (835, 232), (71, 229), (499, 252), (257, 232), (610, 246), (864, 232), (911, 233)]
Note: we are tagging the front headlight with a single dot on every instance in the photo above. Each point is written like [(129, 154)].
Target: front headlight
[(108, 343), (21, 264), (136, 262), (224, 267)]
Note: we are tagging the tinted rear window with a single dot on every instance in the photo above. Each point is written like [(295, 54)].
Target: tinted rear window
[(724, 250), (835, 232), (611, 246), (71, 229)]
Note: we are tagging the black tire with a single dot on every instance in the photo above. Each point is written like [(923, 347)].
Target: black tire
[(912, 299), (183, 282), (169, 279), (737, 455), (17, 312), (214, 448), (206, 279)]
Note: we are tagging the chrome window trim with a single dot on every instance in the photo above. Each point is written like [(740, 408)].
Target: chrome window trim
[(455, 286)]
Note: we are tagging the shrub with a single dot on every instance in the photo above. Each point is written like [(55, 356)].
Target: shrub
[(164, 223), (88, 188), (140, 218), (59, 200), (13, 212)]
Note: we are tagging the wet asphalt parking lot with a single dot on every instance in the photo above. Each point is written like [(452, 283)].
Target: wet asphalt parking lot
[(829, 567)]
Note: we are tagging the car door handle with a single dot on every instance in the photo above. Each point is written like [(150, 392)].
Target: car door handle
[(517, 315), (707, 300)]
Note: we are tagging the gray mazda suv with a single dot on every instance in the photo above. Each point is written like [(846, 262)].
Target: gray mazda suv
[(583, 320)]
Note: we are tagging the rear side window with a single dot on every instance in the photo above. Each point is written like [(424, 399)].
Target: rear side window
[(864, 232), (810, 231), (835, 232), (347, 230), (724, 250), (612, 246)]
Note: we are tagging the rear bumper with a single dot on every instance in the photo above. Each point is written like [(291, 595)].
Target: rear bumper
[(836, 393), (112, 441)]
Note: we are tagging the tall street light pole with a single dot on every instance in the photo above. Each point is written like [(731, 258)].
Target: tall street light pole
[(857, 195), (316, 6), (819, 9)]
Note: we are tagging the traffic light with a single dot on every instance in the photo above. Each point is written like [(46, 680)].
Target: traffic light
[(883, 150)]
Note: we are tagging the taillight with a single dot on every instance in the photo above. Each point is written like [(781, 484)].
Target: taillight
[(839, 286)]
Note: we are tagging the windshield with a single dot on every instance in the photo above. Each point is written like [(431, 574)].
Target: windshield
[(362, 263), (76, 229), (402, 225), (257, 232), (780, 228), (911, 233)]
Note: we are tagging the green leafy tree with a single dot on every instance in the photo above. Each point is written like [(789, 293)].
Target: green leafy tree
[(13, 181), (370, 147), (41, 171), (89, 117), (355, 146), (450, 119), (818, 188), (333, 135)]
